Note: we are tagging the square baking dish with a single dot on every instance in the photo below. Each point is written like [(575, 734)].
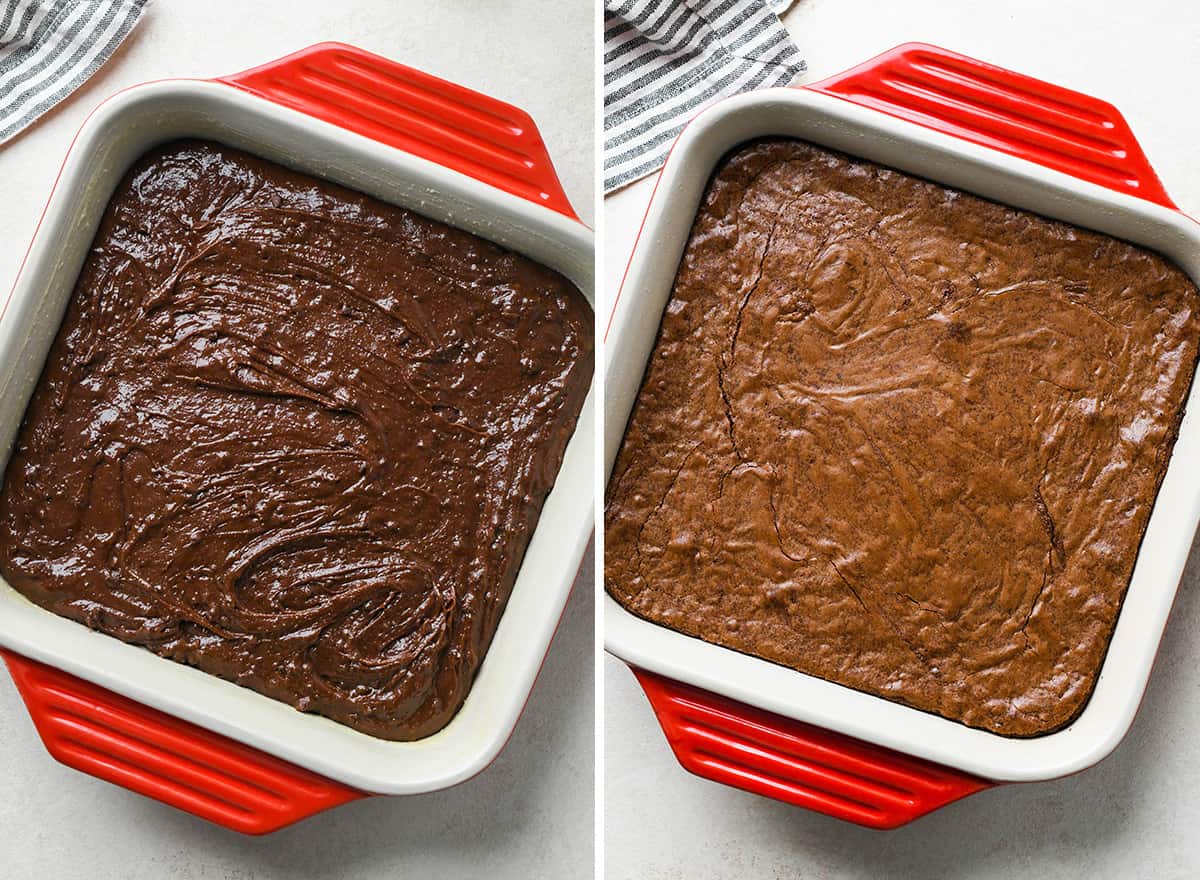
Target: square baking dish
[(189, 738), (959, 122)]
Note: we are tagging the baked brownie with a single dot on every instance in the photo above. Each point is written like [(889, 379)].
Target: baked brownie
[(899, 437), (295, 437)]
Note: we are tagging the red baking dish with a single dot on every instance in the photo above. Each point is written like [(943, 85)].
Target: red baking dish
[(773, 731), (191, 740)]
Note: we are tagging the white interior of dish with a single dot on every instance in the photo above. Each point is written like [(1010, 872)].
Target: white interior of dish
[(872, 135), (121, 130)]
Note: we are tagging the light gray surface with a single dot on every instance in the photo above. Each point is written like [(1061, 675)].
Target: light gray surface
[(1135, 814), (530, 814)]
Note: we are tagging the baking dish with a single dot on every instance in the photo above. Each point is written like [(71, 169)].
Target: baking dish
[(191, 739), (769, 729)]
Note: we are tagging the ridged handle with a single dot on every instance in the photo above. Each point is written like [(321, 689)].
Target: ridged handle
[(747, 748), (458, 128), (1015, 114), (116, 739)]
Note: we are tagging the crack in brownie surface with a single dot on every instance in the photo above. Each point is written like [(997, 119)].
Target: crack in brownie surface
[(295, 437), (900, 437)]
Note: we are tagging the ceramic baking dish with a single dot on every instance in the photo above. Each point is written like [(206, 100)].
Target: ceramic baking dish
[(180, 735), (762, 727)]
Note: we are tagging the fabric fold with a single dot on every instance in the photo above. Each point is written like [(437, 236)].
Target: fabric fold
[(49, 48), (666, 60)]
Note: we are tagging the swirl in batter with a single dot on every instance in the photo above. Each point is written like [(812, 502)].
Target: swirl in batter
[(899, 437), (294, 437)]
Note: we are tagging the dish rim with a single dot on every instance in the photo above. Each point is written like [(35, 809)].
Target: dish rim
[(126, 126), (839, 124)]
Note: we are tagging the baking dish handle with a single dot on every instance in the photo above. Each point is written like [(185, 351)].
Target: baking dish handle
[(460, 129), (116, 739), (1063, 130), (747, 748)]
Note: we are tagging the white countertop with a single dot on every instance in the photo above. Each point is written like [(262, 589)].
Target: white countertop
[(1135, 814), (530, 814)]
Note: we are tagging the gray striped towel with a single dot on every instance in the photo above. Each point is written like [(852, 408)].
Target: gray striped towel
[(665, 60), (49, 48)]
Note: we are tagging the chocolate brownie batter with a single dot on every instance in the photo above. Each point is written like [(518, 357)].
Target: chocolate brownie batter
[(295, 437), (899, 437)]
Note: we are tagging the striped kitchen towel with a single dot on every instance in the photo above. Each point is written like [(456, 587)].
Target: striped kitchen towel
[(49, 48), (665, 60)]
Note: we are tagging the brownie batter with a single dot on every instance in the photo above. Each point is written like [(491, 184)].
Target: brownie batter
[(295, 437), (899, 437)]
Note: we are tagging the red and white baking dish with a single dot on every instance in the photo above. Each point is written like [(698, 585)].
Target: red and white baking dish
[(191, 739), (771, 730)]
